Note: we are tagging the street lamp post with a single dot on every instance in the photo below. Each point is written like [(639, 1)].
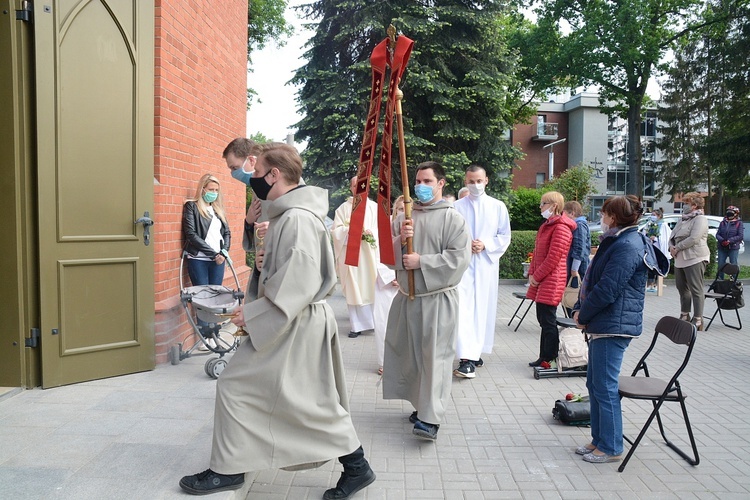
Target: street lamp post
[(552, 156)]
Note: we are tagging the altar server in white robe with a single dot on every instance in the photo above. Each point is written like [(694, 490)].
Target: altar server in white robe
[(489, 225), (357, 282), (386, 288)]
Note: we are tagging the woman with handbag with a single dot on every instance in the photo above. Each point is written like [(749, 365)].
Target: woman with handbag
[(610, 310), (689, 248), (578, 256), (547, 271)]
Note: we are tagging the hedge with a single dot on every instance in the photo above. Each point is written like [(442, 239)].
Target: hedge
[(522, 243)]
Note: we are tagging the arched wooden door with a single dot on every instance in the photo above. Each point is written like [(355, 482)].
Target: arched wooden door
[(94, 81)]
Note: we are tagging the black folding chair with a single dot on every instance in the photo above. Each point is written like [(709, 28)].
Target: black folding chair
[(648, 388), (522, 296), (728, 295)]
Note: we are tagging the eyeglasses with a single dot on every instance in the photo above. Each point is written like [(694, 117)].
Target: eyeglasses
[(545, 203)]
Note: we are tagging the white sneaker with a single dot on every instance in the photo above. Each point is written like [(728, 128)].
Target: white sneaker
[(202, 345)]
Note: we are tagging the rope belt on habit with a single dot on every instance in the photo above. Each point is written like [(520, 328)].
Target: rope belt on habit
[(427, 294)]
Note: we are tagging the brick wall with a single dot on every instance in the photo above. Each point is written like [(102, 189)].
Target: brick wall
[(200, 105), (536, 159)]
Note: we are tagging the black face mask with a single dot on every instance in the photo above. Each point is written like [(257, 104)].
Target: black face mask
[(260, 186), (730, 215)]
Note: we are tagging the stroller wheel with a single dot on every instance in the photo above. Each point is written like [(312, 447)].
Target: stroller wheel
[(215, 366), (174, 354)]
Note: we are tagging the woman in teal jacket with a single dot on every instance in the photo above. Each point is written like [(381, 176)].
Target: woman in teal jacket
[(610, 310)]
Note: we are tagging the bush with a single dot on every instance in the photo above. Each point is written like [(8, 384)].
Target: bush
[(521, 244), (711, 268), (595, 239), (524, 209)]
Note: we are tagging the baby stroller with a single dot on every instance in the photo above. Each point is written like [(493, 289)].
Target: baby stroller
[(209, 309)]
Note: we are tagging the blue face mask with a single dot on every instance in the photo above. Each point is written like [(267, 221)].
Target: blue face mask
[(210, 196), (423, 193), (242, 176), (653, 218)]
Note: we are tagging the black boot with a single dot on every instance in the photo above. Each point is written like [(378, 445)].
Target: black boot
[(356, 476)]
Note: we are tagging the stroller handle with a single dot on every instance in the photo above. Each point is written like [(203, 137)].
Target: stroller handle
[(238, 294)]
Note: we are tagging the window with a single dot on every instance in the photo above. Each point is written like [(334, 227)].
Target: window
[(617, 177), (540, 178), (540, 121)]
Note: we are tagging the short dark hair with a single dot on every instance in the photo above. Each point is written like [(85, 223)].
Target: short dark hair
[(284, 157), (240, 147), (435, 167), (625, 210), (476, 168)]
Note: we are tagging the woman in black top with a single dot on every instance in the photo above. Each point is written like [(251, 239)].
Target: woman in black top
[(206, 231)]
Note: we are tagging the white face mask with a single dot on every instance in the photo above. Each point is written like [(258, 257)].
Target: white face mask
[(605, 227), (547, 213), (476, 189)]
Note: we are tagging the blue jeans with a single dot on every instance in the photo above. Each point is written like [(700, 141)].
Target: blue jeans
[(605, 360), (205, 272), (724, 254)]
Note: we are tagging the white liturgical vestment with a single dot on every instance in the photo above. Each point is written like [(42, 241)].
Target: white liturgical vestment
[(488, 221)]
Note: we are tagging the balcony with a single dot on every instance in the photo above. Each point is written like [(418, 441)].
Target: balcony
[(545, 132)]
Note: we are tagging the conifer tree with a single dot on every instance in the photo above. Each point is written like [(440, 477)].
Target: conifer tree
[(456, 100), (705, 99)]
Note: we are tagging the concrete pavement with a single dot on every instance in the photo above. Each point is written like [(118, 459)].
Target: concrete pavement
[(133, 437)]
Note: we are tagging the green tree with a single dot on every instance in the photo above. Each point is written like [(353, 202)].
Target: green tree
[(575, 184), (265, 23), (618, 46), (455, 87), (730, 146), (705, 97), (538, 72)]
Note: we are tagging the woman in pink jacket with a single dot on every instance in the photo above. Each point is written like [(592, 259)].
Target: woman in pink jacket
[(547, 271)]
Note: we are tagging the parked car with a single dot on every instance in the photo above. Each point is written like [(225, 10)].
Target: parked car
[(671, 220)]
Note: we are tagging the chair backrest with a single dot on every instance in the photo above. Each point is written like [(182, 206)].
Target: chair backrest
[(732, 270), (679, 332)]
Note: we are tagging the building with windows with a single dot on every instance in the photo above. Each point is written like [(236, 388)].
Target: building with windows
[(573, 130)]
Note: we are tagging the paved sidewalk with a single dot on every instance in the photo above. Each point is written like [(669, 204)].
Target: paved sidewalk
[(133, 437)]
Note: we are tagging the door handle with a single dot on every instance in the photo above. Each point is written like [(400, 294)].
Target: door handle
[(147, 223)]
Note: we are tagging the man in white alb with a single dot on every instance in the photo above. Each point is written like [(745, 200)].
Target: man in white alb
[(489, 225)]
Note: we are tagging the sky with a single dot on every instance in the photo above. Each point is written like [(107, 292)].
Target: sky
[(273, 67)]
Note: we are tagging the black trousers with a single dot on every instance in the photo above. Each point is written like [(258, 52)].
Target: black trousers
[(549, 342), (355, 462)]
